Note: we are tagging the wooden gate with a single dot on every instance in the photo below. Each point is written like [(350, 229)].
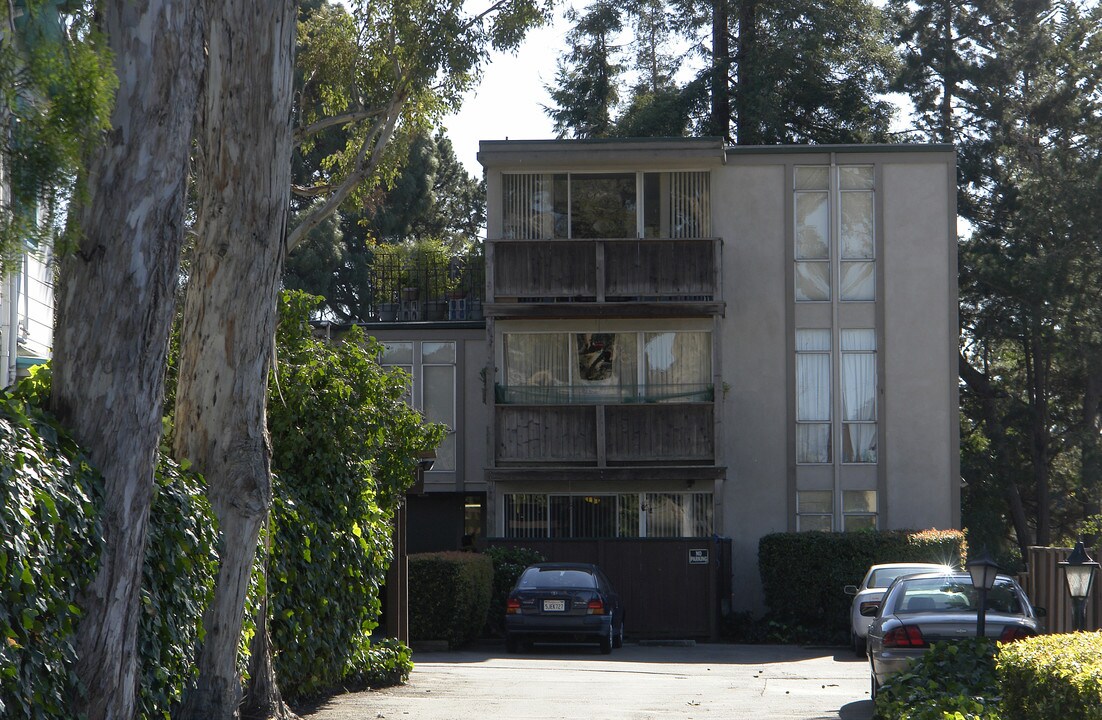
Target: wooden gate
[(671, 588)]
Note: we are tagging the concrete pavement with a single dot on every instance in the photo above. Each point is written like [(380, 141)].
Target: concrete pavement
[(732, 682)]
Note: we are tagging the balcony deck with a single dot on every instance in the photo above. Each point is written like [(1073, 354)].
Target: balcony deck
[(626, 276)]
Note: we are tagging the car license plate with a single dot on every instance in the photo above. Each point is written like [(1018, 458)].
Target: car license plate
[(554, 606)]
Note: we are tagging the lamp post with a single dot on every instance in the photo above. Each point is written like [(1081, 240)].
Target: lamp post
[(983, 571), (1079, 569)]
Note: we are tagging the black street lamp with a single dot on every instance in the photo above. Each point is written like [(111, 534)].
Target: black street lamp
[(1080, 570), (983, 571)]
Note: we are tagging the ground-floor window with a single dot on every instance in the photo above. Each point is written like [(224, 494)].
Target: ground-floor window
[(541, 515)]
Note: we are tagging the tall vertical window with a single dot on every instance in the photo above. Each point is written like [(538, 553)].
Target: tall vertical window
[(834, 233), (815, 510), (813, 404), (858, 396), (431, 368), (538, 206)]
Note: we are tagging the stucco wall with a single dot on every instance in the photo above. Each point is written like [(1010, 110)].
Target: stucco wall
[(750, 217), (920, 343)]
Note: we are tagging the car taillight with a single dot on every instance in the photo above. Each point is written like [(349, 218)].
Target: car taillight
[(905, 636), (1015, 632), (596, 607), (512, 606)]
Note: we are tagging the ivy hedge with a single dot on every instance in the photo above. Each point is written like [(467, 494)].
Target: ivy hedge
[(344, 450), (803, 573), (49, 544), (449, 596), (952, 680)]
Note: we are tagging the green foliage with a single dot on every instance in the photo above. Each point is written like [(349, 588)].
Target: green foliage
[(1052, 676), (48, 553), (387, 662), (181, 564), (509, 563), (449, 596), (49, 545), (344, 445), (56, 93), (821, 564), (952, 681)]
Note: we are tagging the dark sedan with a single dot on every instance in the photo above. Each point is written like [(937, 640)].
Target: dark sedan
[(919, 610), (563, 602)]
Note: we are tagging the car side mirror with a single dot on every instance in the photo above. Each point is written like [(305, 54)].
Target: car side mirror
[(1040, 612), (850, 589), (869, 609)]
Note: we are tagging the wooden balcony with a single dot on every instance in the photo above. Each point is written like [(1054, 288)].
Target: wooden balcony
[(568, 278), (605, 436)]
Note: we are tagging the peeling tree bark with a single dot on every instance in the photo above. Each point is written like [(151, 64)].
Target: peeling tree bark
[(243, 180), (115, 308)]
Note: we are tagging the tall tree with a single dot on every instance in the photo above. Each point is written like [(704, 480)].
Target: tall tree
[(586, 93), (115, 305), (382, 73), (1017, 86), (243, 181)]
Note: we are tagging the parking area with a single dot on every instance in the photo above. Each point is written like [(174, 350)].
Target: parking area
[(733, 682)]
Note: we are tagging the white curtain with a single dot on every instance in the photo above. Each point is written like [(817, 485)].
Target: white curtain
[(690, 205), (677, 363), (813, 396), (537, 360), (528, 202), (859, 395)]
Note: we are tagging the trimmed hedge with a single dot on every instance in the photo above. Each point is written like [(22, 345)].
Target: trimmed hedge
[(449, 596), (1052, 676), (803, 573), (509, 563)]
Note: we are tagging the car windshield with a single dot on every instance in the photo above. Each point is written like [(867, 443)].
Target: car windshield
[(556, 577), (883, 577), (946, 594)]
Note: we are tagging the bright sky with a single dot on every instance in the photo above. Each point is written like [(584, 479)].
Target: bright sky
[(509, 101)]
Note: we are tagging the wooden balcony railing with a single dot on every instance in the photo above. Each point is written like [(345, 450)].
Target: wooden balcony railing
[(607, 270), (604, 435)]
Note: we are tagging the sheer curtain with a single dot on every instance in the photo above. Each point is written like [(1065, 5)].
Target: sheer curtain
[(813, 396), (678, 364), (859, 395), (531, 206), (537, 367)]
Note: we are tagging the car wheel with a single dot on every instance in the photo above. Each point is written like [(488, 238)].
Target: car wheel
[(618, 639), (606, 641), (512, 643), (858, 646)]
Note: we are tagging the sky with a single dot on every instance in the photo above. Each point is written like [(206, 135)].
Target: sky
[(509, 101)]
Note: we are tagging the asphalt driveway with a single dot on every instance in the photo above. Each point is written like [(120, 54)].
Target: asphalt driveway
[(732, 682)]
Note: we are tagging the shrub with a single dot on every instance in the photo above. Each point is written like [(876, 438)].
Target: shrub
[(952, 680), (1052, 676), (387, 662), (449, 595), (48, 553), (49, 546), (820, 564), (344, 450), (509, 563)]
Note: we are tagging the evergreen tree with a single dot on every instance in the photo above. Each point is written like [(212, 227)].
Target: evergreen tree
[(585, 92)]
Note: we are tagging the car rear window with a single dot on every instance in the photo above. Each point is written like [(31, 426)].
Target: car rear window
[(883, 577), (950, 595), (557, 578)]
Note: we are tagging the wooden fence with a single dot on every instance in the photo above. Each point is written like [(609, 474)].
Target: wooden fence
[(1046, 586), (671, 588)]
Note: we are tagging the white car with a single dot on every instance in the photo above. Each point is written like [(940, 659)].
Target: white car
[(867, 595)]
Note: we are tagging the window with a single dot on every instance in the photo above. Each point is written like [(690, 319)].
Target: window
[(815, 510), (859, 509), (813, 403), (675, 514), (858, 396), (431, 389), (606, 205), (608, 367), (843, 228)]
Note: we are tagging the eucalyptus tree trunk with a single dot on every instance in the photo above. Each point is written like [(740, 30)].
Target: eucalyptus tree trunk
[(226, 342), (115, 305)]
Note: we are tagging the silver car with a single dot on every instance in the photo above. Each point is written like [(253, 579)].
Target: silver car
[(867, 595), (919, 610)]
